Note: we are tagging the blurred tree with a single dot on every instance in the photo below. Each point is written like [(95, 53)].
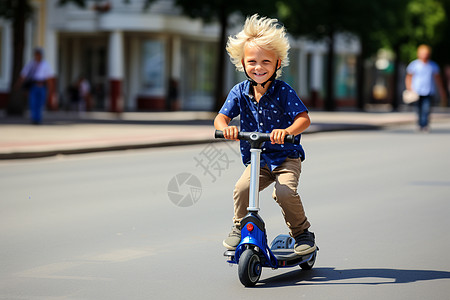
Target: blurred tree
[(220, 10), (377, 19), (441, 51), (372, 17), (397, 24), (320, 19)]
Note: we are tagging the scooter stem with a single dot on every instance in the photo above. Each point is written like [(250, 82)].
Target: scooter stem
[(255, 166), (256, 140)]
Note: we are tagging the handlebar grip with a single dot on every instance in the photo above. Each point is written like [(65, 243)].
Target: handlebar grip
[(290, 139), (218, 134)]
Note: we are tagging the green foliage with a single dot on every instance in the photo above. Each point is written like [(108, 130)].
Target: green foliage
[(381, 23), (423, 24), (209, 10), (313, 18)]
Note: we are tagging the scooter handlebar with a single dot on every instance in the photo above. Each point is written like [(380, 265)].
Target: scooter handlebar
[(255, 136)]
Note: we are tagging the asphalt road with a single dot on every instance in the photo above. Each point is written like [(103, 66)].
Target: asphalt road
[(120, 226)]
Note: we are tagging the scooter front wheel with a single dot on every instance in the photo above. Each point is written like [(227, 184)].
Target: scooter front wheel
[(249, 268), (310, 263)]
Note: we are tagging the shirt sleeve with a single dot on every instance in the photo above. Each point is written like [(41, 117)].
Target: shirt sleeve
[(25, 70), (294, 105), (231, 106), (47, 71), (410, 68)]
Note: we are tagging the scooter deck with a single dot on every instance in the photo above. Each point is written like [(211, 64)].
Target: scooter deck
[(288, 258), (285, 254), (285, 257)]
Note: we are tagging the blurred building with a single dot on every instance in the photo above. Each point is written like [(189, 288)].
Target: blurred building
[(129, 55)]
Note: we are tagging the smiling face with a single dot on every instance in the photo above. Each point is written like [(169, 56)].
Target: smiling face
[(259, 63)]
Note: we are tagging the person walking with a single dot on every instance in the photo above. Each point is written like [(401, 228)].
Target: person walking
[(422, 75), (35, 78)]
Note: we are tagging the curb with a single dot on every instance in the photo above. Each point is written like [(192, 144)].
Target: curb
[(314, 129), (42, 154)]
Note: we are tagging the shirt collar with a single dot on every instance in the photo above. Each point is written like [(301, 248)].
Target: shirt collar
[(270, 90)]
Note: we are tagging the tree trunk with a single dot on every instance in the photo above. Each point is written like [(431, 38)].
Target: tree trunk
[(396, 80), (15, 102), (360, 79), (445, 81), (220, 76), (329, 100)]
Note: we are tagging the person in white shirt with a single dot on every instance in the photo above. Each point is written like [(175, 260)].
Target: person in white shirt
[(422, 75), (36, 77)]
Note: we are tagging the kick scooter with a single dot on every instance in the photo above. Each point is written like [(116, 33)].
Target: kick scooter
[(253, 252)]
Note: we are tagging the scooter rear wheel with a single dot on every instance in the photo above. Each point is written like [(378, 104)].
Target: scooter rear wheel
[(249, 268)]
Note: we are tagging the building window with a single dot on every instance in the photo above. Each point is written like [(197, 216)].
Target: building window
[(345, 76), (153, 66), (236, 77), (290, 73), (199, 73)]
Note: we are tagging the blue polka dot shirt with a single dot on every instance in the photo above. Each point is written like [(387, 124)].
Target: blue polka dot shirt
[(276, 109)]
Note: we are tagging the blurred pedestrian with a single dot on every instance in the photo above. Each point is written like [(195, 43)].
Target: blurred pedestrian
[(35, 78), (172, 95), (84, 91), (79, 94), (74, 97), (422, 75)]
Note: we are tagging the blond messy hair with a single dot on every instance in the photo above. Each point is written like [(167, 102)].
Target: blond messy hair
[(261, 32)]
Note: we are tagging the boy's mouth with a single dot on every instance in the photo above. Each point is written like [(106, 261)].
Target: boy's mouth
[(260, 74)]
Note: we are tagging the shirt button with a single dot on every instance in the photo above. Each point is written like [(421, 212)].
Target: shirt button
[(261, 124), (260, 111)]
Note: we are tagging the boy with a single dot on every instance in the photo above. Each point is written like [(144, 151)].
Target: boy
[(268, 105)]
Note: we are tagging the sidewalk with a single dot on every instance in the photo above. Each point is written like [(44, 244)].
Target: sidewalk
[(69, 133)]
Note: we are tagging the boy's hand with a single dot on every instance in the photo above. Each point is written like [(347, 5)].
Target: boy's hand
[(277, 136), (231, 133)]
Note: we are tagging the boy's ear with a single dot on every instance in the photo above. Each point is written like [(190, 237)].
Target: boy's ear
[(278, 64)]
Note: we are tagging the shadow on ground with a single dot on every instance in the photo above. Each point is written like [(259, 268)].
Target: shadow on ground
[(433, 131), (332, 276)]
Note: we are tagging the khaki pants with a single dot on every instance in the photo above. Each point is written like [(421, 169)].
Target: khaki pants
[(286, 178)]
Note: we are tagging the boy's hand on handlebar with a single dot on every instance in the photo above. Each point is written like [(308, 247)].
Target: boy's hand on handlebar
[(231, 133), (277, 136)]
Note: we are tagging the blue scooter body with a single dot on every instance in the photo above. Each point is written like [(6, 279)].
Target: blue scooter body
[(255, 238)]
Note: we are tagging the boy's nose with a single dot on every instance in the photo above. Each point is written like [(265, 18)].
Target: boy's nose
[(258, 67)]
